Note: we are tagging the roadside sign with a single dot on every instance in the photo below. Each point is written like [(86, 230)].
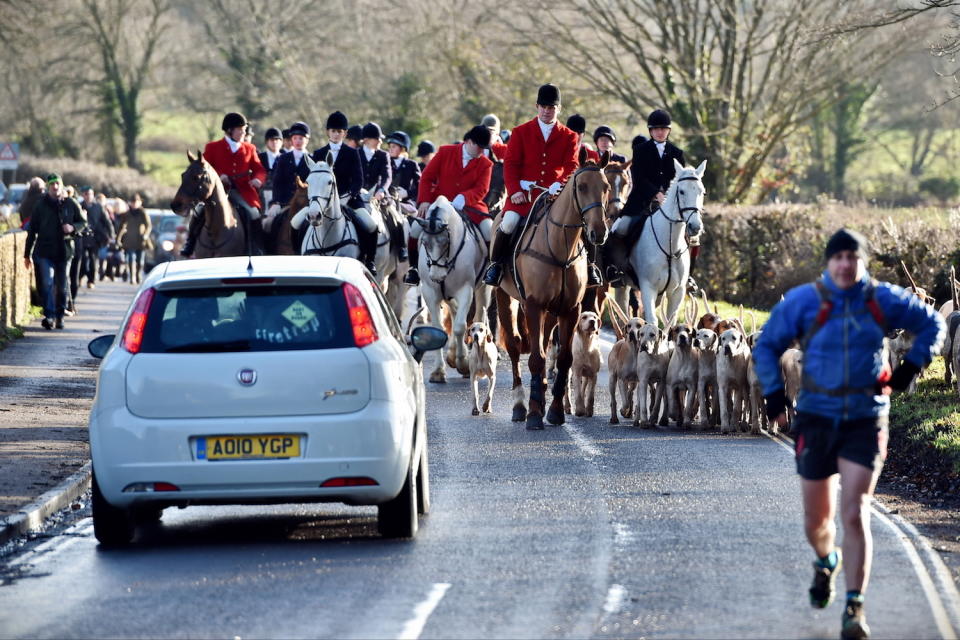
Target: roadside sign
[(9, 155)]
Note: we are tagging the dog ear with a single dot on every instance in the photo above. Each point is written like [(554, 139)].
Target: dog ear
[(468, 340), (489, 338)]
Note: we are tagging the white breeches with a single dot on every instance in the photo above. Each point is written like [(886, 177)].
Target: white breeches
[(620, 226), (510, 221), (486, 228), (365, 220)]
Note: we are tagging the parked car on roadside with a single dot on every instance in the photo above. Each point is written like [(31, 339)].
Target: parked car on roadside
[(168, 233), (292, 383)]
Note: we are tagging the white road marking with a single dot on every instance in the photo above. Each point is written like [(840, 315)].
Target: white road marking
[(940, 615), (414, 626), (622, 535), (51, 547), (583, 442), (615, 599)]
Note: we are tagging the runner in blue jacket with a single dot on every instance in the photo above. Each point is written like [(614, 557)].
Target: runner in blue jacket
[(843, 405)]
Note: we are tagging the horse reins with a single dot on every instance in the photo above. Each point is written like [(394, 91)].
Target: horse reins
[(680, 220), (345, 238), (451, 261)]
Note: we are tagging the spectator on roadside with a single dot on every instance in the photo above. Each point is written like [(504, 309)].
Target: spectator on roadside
[(76, 247), (134, 237), (54, 222), (35, 191), (100, 234)]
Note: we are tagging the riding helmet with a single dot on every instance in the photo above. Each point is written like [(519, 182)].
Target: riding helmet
[(272, 133), (577, 123), (604, 130), (299, 129), (637, 141), (372, 130), (232, 121), (548, 95), (355, 133), (286, 134), (401, 138), (480, 135), (491, 121), (425, 147), (337, 120), (659, 118)]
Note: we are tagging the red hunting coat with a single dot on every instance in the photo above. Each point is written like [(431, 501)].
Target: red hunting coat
[(446, 176), (226, 162), (591, 154), (530, 157), (499, 149)]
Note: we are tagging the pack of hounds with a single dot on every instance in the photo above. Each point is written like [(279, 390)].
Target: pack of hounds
[(697, 372)]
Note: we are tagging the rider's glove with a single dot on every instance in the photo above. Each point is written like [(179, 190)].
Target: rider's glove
[(555, 188), (273, 210), (527, 184), (459, 202)]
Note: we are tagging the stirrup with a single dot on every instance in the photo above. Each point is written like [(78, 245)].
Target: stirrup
[(594, 279), (412, 277), (371, 267)]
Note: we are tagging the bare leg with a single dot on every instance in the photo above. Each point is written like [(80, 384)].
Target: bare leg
[(819, 511), (857, 483)]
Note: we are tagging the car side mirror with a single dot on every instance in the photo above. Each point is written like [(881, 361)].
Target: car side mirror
[(99, 346), (426, 338)]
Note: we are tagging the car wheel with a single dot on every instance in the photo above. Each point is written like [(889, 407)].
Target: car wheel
[(147, 515), (398, 518), (112, 526), (423, 484)]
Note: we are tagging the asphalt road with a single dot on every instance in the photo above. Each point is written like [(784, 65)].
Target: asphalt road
[(586, 530)]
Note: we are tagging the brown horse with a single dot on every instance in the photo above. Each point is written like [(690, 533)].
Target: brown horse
[(201, 189), (282, 239), (618, 176), (552, 271)]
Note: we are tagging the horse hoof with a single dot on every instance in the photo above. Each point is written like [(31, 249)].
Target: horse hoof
[(519, 414), (579, 413), (439, 379), (534, 423), (614, 420), (556, 418), (475, 411)]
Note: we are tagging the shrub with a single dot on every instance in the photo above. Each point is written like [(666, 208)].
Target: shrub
[(943, 189), (113, 181)]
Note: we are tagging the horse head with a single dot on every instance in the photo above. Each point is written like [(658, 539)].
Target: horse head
[(435, 237), (591, 194), (321, 192), (689, 193), (618, 175), (198, 183)]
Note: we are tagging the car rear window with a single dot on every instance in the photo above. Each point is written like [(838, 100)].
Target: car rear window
[(272, 318)]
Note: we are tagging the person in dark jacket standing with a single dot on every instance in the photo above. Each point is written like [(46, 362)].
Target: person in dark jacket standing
[(840, 426), (55, 222), (100, 234)]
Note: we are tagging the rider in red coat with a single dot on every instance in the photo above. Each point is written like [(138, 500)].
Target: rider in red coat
[(242, 174), (460, 173), (541, 155)]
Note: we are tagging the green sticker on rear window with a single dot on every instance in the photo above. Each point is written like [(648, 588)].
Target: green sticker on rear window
[(299, 314)]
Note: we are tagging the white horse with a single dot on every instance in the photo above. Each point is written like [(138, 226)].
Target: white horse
[(453, 257), (331, 233), (660, 257)]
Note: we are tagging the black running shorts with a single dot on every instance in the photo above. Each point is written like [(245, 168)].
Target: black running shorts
[(819, 441)]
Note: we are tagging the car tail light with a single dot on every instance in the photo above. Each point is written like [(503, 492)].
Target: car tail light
[(350, 482), (133, 331), (364, 331), (150, 487)]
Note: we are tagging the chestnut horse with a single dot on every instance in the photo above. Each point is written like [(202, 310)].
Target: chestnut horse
[(285, 239), (548, 278), (201, 190)]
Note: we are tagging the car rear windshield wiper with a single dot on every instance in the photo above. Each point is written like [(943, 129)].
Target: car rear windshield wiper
[(210, 347)]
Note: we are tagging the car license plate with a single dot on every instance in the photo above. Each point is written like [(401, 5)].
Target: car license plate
[(253, 447)]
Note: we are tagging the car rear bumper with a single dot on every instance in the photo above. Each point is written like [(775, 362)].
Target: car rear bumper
[(373, 443)]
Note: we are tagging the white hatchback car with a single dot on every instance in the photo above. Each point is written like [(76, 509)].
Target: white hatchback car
[(292, 382)]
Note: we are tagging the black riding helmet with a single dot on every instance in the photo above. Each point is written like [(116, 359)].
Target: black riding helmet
[(337, 120), (577, 123), (604, 130), (232, 121), (372, 130), (658, 118), (401, 138), (272, 133), (480, 136), (355, 133), (425, 147)]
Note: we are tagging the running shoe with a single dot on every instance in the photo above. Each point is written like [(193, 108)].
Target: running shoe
[(854, 623), (822, 590)]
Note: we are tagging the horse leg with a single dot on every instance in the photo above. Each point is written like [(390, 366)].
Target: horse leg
[(648, 296), (590, 390), (579, 408), (481, 302), (510, 338), (674, 300), (432, 299), (464, 298), (568, 323), (535, 364)]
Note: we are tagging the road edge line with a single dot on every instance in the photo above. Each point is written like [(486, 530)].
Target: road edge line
[(30, 517)]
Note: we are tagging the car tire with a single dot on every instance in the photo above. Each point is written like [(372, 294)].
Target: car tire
[(112, 526), (147, 515), (423, 483), (399, 518)]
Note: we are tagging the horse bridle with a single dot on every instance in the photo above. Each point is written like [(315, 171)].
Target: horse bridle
[(576, 201), (451, 261), (680, 220), (325, 205), (617, 200), (681, 210)]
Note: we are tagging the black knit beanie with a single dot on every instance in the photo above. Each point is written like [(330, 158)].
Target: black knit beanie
[(847, 240)]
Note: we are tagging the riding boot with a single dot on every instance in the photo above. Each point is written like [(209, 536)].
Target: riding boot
[(413, 275), (399, 241), (194, 227), (368, 248), (594, 278), (499, 249), (613, 249), (257, 238)]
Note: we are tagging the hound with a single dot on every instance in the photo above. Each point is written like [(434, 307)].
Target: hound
[(682, 374), (791, 367), (732, 378), (899, 344), (622, 369), (482, 358), (586, 363), (758, 412), (653, 357), (706, 342)]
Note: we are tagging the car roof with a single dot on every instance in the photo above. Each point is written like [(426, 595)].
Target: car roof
[(199, 271)]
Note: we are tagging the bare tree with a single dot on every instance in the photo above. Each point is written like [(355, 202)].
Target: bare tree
[(124, 34), (738, 77)]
